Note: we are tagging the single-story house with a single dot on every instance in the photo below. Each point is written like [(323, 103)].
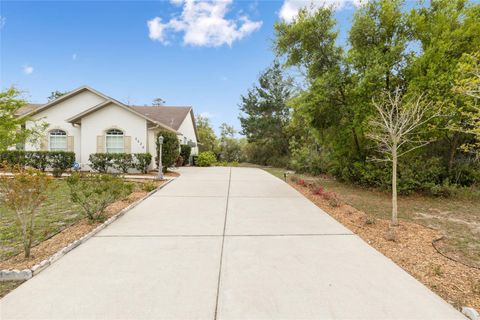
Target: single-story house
[(86, 121)]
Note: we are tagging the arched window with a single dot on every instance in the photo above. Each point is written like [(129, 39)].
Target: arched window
[(114, 141), (58, 140)]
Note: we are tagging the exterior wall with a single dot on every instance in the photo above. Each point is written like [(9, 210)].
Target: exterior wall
[(188, 131), (56, 115), (112, 117), (152, 147)]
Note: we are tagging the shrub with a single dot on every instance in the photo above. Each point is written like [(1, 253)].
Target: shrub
[(38, 159), (13, 157), (194, 160), (179, 161), (60, 161), (100, 161), (24, 193), (95, 192), (122, 161), (185, 151), (142, 161), (149, 187), (206, 159), (170, 148)]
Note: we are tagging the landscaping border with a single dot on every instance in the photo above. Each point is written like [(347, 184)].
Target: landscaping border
[(25, 274)]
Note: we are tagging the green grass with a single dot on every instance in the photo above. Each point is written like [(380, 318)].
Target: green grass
[(7, 286), (458, 217), (57, 213)]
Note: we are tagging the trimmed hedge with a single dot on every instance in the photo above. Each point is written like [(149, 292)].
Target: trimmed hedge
[(122, 162), (58, 161)]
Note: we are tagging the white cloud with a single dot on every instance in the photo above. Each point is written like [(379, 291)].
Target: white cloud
[(203, 23), (74, 56), (27, 69), (290, 8)]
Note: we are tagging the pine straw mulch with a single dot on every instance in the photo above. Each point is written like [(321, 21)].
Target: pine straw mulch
[(411, 249), (50, 246)]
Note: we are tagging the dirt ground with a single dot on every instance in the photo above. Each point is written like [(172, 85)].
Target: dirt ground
[(411, 247)]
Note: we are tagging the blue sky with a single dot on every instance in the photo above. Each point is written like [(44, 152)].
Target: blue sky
[(200, 54)]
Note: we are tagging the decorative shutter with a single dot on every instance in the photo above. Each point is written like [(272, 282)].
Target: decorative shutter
[(127, 144), (44, 143), (70, 144), (100, 144)]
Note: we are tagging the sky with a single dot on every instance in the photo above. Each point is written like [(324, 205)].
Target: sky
[(204, 54)]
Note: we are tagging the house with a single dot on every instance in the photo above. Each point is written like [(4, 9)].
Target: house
[(86, 121)]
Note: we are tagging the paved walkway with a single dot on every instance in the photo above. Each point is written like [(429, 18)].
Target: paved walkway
[(221, 243)]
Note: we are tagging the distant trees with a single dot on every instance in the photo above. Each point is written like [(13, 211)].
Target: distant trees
[(158, 102), (265, 115), (206, 135), (56, 94)]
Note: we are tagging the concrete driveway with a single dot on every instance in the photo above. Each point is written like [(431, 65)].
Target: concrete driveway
[(221, 243)]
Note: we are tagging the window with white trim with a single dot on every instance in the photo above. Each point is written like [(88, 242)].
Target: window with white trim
[(58, 140), (114, 141)]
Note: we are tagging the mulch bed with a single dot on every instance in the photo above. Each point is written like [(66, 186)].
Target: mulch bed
[(411, 248), (50, 246)]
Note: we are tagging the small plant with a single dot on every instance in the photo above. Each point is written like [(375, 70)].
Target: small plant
[(370, 220), (301, 182), (437, 270), (391, 234), (122, 162), (95, 192), (149, 186), (100, 161), (24, 194), (206, 159), (142, 161)]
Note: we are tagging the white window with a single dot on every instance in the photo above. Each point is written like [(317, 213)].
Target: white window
[(58, 140), (114, 141)]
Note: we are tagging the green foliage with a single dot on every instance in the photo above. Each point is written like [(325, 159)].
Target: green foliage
[(149, 186), (100, 161), (122, 161), (206, 159), (60, 161), (56, 94), (185, 151), (265, 114), (12, 127), (206, 135), (230, 149), (142, 161), (24, 194), (94, 192), (170, 148)]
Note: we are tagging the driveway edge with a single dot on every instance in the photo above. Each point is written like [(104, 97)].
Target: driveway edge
[(25, 274)]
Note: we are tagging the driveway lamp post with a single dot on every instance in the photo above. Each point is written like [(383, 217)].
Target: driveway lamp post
[(160, 167)]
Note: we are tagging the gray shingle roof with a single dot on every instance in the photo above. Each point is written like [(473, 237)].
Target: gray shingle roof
[(170, 116)]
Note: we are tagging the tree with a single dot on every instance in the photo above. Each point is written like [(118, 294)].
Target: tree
[(206, 135), (56, 94), (170, 148), (394, 127), (13, 128), (157, 102), (230, 149), (265, 113), (24, 194)]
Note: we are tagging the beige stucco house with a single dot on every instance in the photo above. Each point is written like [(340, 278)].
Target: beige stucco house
[(86, 121)]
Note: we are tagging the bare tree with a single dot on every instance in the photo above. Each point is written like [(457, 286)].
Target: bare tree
[(394, 130)]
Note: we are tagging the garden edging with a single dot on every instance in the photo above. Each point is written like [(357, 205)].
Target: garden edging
[(25, 274)]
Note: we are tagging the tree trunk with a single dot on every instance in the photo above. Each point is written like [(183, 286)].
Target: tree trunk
[(357, 144), (394, 187)]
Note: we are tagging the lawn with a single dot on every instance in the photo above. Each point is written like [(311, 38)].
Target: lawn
[(57, 213), (457, 217)]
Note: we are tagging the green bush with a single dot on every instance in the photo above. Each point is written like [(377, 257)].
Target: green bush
[(60, 161), (100, 161), (170, 148), (94, 192), (149, 187), (14, 157), (194, 160), (38, 159), (122, 161), (206, 159), (142, 161), (185, 151)]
